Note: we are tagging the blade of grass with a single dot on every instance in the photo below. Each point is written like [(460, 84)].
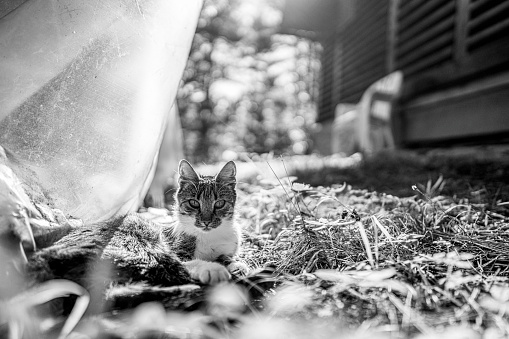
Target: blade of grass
[(381, 227), (55, 289), (411, 315), (366, 243), (288, 195)]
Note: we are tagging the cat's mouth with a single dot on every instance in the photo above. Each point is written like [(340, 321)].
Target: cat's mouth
[(206, 228)]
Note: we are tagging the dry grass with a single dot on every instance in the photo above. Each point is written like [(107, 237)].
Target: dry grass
[(355, 263), (398, 265)]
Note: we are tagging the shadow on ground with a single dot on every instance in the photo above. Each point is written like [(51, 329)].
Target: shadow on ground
[(476, 174)]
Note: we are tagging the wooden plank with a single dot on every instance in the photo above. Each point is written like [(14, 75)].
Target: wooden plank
[(352, 45), (480, 63), (363, 41), (364, 27), (376, 68), (326, 81), (427, 23), (364, 52), (354, 83), (337, 75), (369, 9), (326, 78), (360, 86), (352, 39), (353, 93), (355, 41), (492, 83), (356, 73), (326, 84), (476, 115)]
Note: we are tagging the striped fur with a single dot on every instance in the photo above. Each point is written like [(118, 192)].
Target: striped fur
[(205, 211)]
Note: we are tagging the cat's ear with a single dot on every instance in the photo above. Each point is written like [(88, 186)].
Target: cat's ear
[(227, 173), (187, 172)]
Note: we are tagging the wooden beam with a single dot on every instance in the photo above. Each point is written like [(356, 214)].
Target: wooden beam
[(478, 109)]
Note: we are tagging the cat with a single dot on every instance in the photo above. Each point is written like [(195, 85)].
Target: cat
[(208, 235), (200, 247)]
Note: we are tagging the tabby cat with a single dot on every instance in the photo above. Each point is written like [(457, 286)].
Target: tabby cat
[(200, 247), (208, 236)]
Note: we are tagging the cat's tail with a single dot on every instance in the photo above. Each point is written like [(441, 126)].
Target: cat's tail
[(187, 297)]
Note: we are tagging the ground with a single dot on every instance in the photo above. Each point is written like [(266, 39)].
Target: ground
[(397, 245)]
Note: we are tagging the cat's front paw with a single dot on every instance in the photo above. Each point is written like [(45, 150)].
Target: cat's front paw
[(207, 272), (213, 274), (238, 268)]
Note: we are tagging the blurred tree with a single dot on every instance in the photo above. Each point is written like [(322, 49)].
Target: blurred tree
[(246, 88)]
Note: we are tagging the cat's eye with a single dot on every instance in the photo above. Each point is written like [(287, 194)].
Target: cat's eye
[(194, 203), (219, 204)]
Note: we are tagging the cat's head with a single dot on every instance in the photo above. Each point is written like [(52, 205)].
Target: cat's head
[(205, 202)]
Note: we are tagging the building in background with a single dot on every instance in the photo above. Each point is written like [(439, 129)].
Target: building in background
[(454, 55)]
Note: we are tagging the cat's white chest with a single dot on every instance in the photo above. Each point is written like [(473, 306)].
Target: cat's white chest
[(223, 240)]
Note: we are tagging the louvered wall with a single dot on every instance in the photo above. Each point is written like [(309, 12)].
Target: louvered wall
[(455, 58), (488, 21), (354, 56), (326, 103), (454, 55), (327, 77), (364, 49), (425, 34), (439, 42)]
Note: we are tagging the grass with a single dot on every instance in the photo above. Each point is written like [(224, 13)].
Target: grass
[(432, 258), (401, 245)]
